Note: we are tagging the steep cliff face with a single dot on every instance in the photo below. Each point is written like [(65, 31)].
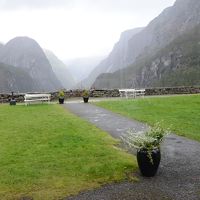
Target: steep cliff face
[(177, 64), (162, 31), (15, 79), (61, 71), (1, 47), (26, 54), (117, 58), (171, 23)]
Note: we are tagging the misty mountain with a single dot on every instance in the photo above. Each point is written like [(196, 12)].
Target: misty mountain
[(25, 53), (171, 23), (1, 47), (116, 59), (15, 79), (80, 68), (144, 51), (61, 70), (177, 64)]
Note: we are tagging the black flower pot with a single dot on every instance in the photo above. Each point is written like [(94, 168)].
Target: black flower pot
[(85, 99), (12, 102), (61, 100), (148, 167)]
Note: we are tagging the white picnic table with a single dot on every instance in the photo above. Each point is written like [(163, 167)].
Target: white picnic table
[(39, 97), (132, 92)]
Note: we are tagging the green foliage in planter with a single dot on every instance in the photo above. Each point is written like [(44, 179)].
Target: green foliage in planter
[(147, 141), (85, 93), (61, 94)]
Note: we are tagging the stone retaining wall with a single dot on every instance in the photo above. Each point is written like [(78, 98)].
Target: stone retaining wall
[(172, 90), (93, 93), (105, 93), (4, 98)]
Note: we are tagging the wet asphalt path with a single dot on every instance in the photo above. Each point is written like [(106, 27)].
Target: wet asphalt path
[(114, 124)]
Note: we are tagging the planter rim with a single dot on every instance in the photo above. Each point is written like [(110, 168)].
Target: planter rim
[(145, 150)]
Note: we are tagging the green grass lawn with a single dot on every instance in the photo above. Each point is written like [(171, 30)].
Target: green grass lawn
[(48, 153), (180, 113)]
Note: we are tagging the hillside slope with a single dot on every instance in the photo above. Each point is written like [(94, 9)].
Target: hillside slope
[(15, 79), (177, 64), (116, 59), (61, 71), (162, 31), (25, 53)]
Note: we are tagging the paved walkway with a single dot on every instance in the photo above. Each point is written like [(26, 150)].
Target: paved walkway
[(178, 177)]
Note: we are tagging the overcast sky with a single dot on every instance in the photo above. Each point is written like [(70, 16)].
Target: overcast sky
[(76, 28)]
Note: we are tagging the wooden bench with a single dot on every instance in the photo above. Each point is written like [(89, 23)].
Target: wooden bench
[(28, 98), (132, 92)]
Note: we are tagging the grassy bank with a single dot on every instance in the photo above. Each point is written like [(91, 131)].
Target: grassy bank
[(180, 113), (48, 153)]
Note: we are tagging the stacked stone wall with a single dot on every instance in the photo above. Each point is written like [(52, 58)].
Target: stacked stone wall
[(5, 98), (172, 90)]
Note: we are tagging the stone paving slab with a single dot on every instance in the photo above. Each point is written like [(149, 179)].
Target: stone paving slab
[(178, 177)]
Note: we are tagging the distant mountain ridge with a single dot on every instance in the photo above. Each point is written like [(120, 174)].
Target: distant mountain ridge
[(80, 68), (115, 60), (177, 64), (61, 70), (25, 54), (144, 47), (172, 22)]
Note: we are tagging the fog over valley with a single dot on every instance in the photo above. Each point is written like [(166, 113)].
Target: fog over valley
[(100, 44)]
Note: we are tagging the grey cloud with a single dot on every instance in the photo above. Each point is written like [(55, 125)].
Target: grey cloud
[(99, 5), (32, 4)]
